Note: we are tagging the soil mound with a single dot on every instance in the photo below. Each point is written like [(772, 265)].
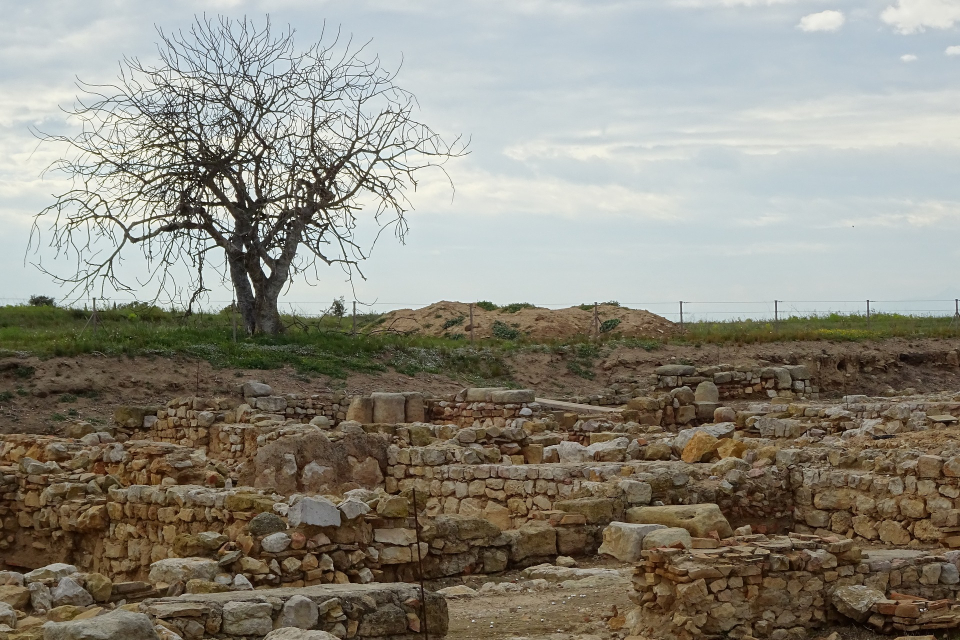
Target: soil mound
[(451, 319)]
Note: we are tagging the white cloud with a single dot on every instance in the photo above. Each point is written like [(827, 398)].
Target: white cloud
[(911, 16), (824, 21), (953, 51), (908, 57)]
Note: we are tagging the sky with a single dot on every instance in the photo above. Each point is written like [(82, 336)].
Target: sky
[(645, 151)]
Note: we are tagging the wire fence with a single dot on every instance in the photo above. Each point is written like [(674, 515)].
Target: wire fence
[(680, 312)]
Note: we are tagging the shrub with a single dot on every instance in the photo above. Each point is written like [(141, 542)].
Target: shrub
[(453, 322), (609, 325), (486, 305), (516, 306), (504, 331), (6, 396), (42, 301)]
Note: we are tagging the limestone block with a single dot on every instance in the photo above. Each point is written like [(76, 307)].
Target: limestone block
[(533, 539), (68, 591), (272, 404), (413, 407), (315, 511), (360, 410), (855, 601), (51, 572), (707, 392), (254, 389), (389, 408), (636, 492), (293, 633), (698, 519), (701, 447), (109, 626), (513, 396), (719, 431), (300, 612), (667, 537), (595, 510), (247, 618), (624, 541), (172, 570)]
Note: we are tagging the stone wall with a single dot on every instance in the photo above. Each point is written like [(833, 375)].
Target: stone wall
[(385, 612), (737, 382), (781, 587)]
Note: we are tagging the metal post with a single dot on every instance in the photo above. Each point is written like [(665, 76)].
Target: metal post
[(868, 314), (596, 320), (423, 600), (776, 315), (94, 317), (354, 317), (233, 317), (471, 322), (681, 316)]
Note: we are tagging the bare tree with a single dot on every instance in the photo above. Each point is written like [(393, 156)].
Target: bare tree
[(239, 153)]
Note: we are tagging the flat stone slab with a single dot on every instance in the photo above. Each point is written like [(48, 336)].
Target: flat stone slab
[(944, 419)]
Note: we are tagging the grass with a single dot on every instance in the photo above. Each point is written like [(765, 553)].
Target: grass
[(325, 347), (834, 327)]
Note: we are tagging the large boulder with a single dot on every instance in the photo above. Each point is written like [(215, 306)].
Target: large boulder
[(855, 601), (52, 572), (69, 591), (115, 625), (718, 431), (698, 519), (701, 448), (172, 570), (624, 541), (254, 389)]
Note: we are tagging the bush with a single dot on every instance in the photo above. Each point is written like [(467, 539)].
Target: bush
[(42, 301), (486, 305), (453, 322), (609, 325), (504, 331), (516, 306)]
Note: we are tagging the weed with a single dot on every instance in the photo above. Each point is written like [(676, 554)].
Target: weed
[(24, 372), (6, 396), (576, 368), (486, 305), (516, 306), (58, 417), (67, 397), (453, 322), (73, 413), (22, 392), (609, 325), (504, 331)]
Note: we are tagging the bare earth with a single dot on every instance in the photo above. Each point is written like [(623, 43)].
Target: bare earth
[(42, 402)]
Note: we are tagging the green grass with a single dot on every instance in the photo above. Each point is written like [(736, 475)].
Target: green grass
[(833, 327), (325, 347)]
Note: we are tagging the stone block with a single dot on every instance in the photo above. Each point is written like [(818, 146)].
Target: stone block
[(624, 541), (389, 408), (698, 519), (667, 537), (361, 410)]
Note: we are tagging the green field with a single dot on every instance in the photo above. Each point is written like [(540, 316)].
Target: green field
[(327, 346)]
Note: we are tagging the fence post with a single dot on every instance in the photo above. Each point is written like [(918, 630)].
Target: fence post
[(868, 314), (471, 322), (776, 316), (95, 317), (354, 317), (233, 317), (596, 321), (681, 316)]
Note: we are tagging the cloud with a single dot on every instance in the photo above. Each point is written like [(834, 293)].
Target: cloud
[(495, 194), (908, 57), (911, 16), (953, 51), (824, 21)]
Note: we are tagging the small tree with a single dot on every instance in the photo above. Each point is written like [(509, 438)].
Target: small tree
[(235, 151)]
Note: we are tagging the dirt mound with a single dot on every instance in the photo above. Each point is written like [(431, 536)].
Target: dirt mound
[(451, 319)]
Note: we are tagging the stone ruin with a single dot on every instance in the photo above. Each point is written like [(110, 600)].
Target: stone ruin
[(277, 515)]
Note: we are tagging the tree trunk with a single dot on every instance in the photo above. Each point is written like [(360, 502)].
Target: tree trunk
[(257, 304)]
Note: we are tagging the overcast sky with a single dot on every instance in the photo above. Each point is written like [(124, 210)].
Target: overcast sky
[(637, 150)]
